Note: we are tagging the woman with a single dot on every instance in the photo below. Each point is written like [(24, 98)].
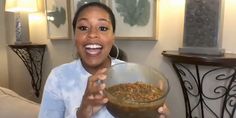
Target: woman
[(72, 90)]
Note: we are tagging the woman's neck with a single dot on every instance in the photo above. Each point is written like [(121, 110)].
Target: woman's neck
[(94, 69)]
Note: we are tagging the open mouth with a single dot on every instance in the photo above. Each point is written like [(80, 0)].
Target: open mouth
[(93, 49)]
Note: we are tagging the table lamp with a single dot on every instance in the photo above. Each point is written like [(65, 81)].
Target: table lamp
[(21, 8)]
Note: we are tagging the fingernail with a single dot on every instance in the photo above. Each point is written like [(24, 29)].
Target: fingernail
[(160, 109), (104, 69), (162, 116), (102, 86), (105, 100), (100, 92), (90, 97), (103, 77)]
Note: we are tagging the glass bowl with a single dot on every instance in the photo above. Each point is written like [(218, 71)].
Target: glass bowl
[(135, 91)]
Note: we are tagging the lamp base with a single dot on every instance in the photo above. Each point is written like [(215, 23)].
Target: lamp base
[(22, 29), (202, 50)]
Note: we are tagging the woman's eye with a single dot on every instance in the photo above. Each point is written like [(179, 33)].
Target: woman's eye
[(83, 28), (102, 28)]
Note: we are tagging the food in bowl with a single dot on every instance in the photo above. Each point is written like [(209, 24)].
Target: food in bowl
[(133, 100), (135, 91)]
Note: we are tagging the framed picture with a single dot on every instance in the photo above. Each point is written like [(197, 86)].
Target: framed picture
[(135, 19), (58, 19)]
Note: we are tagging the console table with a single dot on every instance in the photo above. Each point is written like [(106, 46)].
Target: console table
[(32, 57), (208, 83)]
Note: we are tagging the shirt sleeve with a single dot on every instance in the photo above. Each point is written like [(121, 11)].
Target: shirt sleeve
[(52, 105)]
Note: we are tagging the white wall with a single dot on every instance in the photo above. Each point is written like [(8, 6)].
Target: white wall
[(3, 50), (229, 32), (170, 26)]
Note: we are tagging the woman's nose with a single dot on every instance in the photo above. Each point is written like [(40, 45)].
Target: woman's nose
[(93, 32)]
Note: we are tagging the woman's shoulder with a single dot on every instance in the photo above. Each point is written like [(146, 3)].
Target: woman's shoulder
[(63, 72), (70, 66)]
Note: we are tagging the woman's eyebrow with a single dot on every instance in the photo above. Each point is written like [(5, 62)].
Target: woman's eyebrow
[(100, 19), (103, 19), (80, 19)]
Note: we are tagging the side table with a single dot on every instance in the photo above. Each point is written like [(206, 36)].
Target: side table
[(208, 83), (32, 57)]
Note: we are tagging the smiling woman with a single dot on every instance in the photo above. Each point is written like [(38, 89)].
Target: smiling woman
[(71, 89)]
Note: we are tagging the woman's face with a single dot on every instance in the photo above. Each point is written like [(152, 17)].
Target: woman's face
[(94, 36)]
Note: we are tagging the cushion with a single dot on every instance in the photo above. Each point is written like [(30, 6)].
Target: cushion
[(12, 105)]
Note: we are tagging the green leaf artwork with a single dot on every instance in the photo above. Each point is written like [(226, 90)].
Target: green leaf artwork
[(134, 12), (59, 16), (82, 2)]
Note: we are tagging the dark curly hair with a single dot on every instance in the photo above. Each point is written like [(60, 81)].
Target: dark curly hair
[(97, 4)]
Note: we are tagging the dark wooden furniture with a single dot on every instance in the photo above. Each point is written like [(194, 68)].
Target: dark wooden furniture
[(32, 57), (208, 83)]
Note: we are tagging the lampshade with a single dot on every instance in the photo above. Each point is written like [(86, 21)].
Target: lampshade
[(21, 6)]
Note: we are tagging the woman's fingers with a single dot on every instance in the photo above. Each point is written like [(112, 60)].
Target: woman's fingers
[(163, 111), (93, 97), (98, 77), (95, 82), (98, 86), (97, 99), (95, 87)]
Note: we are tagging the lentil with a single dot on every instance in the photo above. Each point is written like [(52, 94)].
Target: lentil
[(135, 92)]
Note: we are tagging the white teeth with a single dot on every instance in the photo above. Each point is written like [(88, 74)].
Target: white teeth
[(93, 49), (93, 46)]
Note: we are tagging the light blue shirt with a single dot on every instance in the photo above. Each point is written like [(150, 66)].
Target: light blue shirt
[(64, 90)]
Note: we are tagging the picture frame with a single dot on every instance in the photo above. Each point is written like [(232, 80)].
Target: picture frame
[(132, 22), (58, 19)]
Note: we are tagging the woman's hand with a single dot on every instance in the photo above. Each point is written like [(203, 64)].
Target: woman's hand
[(163, 111), (93, 99)]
